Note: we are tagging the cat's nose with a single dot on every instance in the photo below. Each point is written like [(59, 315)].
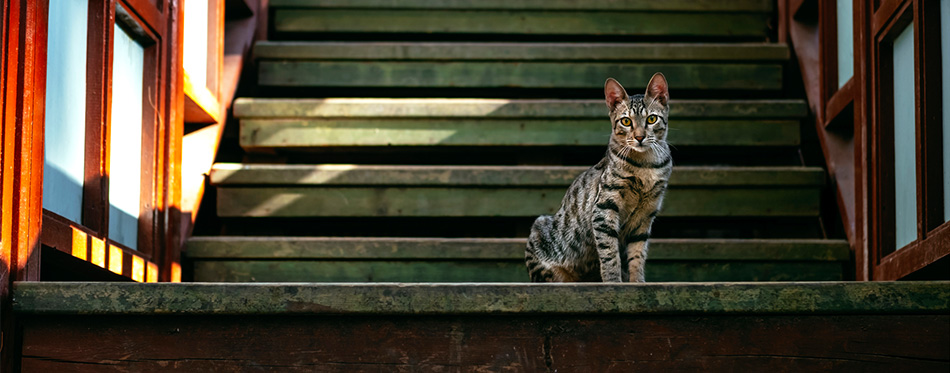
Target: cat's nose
[(639, 138)]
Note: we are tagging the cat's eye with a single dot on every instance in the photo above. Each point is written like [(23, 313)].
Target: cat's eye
[(626, 121), (651, 119)]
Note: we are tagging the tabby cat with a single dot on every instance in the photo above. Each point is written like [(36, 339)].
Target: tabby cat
[(600, 232)]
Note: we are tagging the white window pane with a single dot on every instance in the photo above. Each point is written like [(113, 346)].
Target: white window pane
[(845, 18), (64, 153), (125, 157), (905, 154), (196, 42), (945, 58)]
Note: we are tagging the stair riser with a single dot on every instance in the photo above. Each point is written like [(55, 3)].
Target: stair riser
[(750, 343), (506, 75), (521, 51), (497, 271), (302, 133), (600, 23), (488, 109), (458, 202)]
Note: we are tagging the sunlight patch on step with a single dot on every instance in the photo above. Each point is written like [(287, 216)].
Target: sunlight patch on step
[(276, 202)]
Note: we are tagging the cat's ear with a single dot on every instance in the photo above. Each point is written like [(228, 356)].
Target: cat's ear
[(658, 90), (614, 93)]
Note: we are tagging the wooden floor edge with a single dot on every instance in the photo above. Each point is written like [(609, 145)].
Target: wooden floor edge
[(109, 298)]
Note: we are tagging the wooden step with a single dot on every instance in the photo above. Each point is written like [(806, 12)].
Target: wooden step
[(704, 19), (521, 51), (846, 326), (309, 123), (511, 74), (474, 191), (361, 259)]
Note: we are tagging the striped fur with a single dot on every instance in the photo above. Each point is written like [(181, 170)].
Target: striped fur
[(600, 232)]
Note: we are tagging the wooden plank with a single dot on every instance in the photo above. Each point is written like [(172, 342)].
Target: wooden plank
[(494, 271), (403, 248), (304, 133), (529, 22), (501, 108), (457, 202), (362, 175), (64, 298), (504, 51), (801, 343), (762, 6), (513, 74)]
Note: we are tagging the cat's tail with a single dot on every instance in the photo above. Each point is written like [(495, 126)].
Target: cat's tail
[(538, 240)]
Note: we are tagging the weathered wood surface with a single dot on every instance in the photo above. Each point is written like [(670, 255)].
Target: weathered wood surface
[(304, 133), (503, 51), (548, 75), (494, 271), (362, 259), (112, 298), (487, 201), (406, 248), (761, 6), (524, 22), (501, 108), (224, 174), (794, 343)]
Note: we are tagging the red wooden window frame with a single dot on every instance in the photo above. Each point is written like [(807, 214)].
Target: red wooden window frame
[(933, 234), (151, 23)]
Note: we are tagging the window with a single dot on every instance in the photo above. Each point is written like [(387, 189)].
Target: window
[(908, 146), (108, 82)]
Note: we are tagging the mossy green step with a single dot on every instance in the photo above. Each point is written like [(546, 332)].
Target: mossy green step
[(839, 326), (746, 19), (521, 51), (515, 74), (809, 298), (694, 191), (309, 123), (360, 259)]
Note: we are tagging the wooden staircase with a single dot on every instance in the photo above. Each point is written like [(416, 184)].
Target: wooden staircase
[(395, 156), (469, 120)]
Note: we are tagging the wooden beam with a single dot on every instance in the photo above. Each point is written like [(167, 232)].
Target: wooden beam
[(258, 134), (488, 201), (760, 6), (559, 75), (502, 108), (502, 51), (234, 174), (528, 22), (61, 298), (404, 248)]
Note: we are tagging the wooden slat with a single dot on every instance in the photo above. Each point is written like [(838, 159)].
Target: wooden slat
[(762, 6), (466, 21), (501, 108), (503, 51), (495, 271), (224, 174), (402, 248), (114, 298), (804, 342), (514, 74), (487, 201), (307, 133)]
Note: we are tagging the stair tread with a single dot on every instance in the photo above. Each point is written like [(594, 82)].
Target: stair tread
[(514, 74), (499, 108), (524, 51), (622, 21), (764, 6), (807, 298), (223, 174), (403, 248)]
